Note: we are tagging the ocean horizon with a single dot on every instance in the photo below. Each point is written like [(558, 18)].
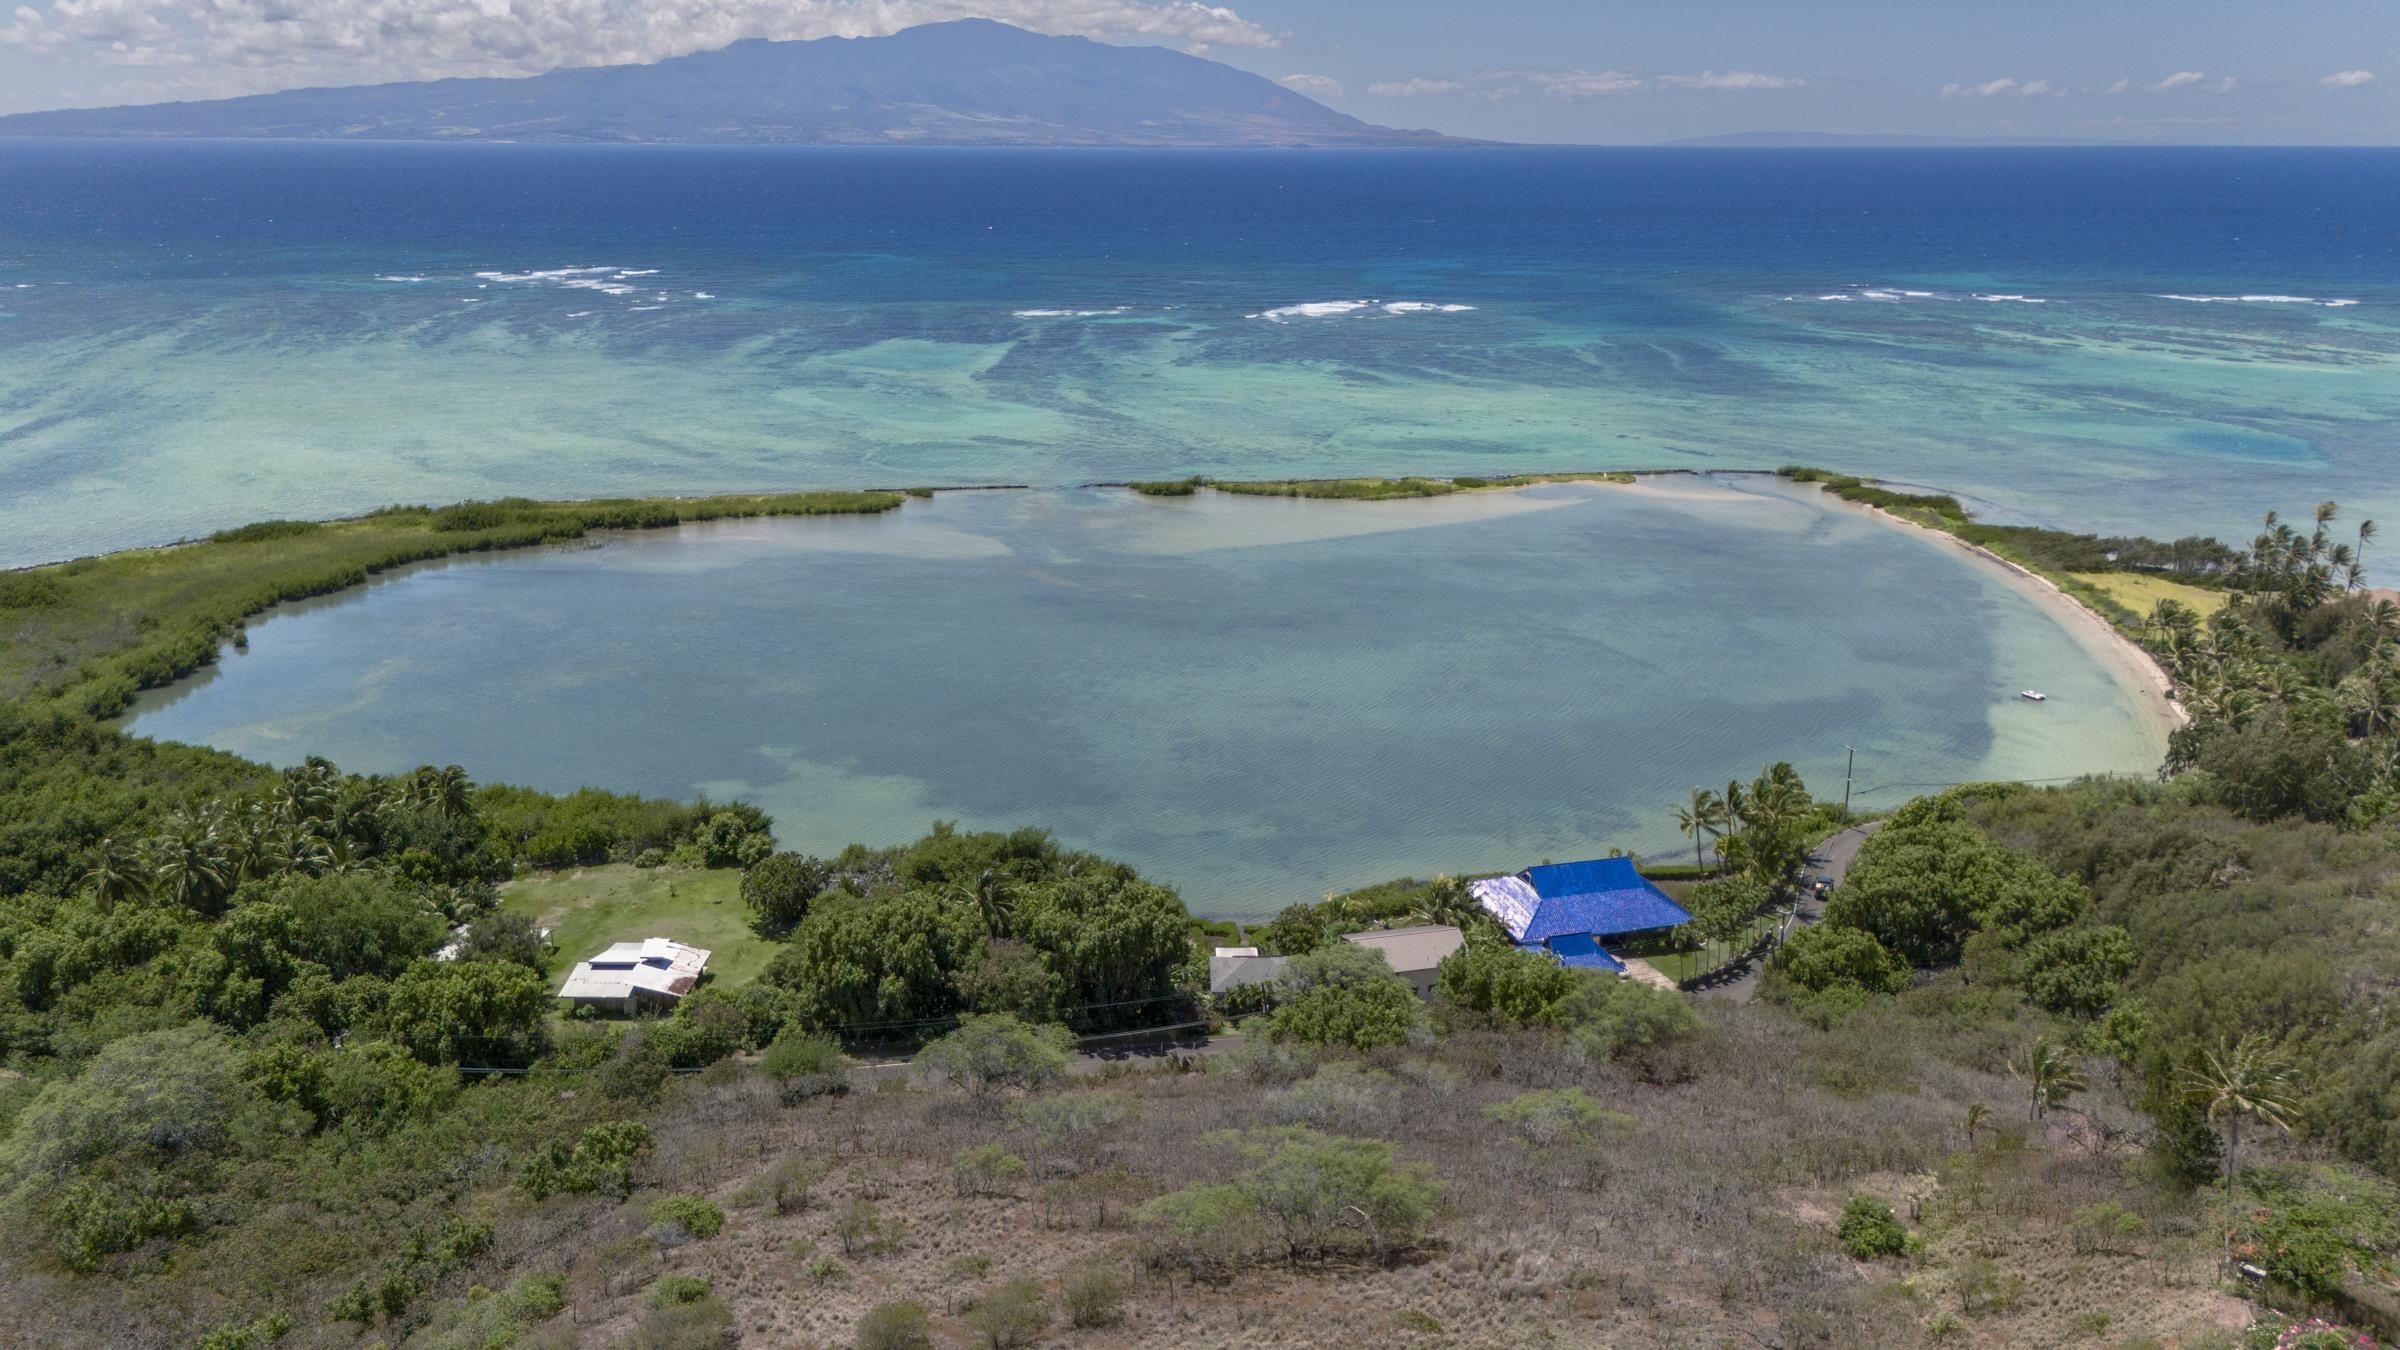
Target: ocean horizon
[(193, 336)]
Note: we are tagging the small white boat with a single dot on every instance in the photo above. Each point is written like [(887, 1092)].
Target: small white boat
[(2034, 696)]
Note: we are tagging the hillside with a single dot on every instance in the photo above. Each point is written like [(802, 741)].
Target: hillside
[(969, 82)]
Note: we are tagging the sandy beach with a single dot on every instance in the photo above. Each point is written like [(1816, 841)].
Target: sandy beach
[(2120, 655)]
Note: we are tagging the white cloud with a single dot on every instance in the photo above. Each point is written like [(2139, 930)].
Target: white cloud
[(1579, 86), (1738, 80), (2120, 86), (1576, 86), (2182, 79), (2348, 79), (1413, 88), (2224, 86), (1315, 86), (2001, 87), (276, 43)]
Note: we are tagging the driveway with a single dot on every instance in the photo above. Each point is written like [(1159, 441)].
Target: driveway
[(1829, 864)]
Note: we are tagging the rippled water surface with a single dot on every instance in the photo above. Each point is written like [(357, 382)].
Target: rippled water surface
[(1258, 700), (193, 336)]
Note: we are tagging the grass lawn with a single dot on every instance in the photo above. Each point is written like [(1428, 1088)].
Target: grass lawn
[(2141, 591), (591, 907)]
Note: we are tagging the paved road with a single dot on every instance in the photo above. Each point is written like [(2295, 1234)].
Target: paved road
[(1829, 864)]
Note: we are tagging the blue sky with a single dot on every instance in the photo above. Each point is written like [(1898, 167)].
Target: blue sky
[(2320, 71)]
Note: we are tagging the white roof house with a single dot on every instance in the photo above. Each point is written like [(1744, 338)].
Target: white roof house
[(656, 970)]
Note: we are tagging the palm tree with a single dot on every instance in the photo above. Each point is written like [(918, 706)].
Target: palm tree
[(307, 792), (187, 864), (1449, 901), (2366, 536), (115, 875), (2050, 1078), (2245, 1078), (453, 792), (1698, 820), (991, 900)]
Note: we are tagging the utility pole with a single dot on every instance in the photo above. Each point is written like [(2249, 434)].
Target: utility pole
[(1846, 773)]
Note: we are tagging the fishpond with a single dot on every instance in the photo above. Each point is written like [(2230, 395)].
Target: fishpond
[(1257, 700)]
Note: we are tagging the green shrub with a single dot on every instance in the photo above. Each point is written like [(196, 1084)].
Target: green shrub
[(805, 1064), (1094, 1298), (1506, 983), (704, 1323), (1615, 1018), (1012, 1315), (1312, 1187), (826, 1269), (1346, 995), (601, 1160), (786, 1187), (256, 1334), (1983, 1287), (1868, 1229), (669, 1291), (862, 1227), (985, 1169), (1169, 487), (1549, 1117), (999, 1050), (694, 1214), (895, 1326)]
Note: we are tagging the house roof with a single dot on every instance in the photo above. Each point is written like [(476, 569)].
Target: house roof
[(654, 965), (1230, 972), (1580, 951), (1603, 896), (1409, 950)]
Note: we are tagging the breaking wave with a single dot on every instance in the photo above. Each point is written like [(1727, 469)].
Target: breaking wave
[(1328, 309)]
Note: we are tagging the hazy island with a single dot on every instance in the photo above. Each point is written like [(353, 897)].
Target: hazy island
[(968, 82), (2106, 1063)]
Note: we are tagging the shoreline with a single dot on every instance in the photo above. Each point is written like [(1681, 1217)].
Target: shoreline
[(2127, 660)]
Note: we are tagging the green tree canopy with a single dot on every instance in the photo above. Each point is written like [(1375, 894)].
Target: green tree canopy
[(2078, 972), (1923, 889), (1506, 983), (1827, 958), (1108, 939), (144, 1100), (1344, 994), (356, 923), (881, 960), (778, 889), (467, 1012)]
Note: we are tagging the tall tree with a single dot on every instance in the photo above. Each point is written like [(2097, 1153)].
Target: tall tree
[(1698, 819), (2050, 1078), (2242, 1078)]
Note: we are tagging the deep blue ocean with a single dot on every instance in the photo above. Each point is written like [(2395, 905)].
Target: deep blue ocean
[(194, 335)]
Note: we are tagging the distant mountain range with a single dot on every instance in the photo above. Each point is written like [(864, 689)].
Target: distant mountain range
[(969, 82), (1836, 140)]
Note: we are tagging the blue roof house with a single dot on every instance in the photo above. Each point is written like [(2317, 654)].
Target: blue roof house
[(1570, 909)]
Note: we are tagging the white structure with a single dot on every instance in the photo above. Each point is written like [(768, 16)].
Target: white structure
[(1414, 954), (655, 972), (1233, 967)]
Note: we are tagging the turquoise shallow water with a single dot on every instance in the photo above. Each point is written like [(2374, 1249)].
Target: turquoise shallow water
[(194, 336), (1257, 700)]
